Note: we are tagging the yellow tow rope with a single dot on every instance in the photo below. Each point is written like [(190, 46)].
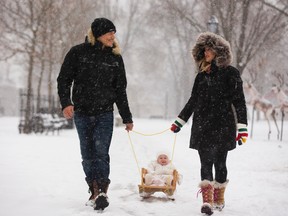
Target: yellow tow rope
[(153, 134)]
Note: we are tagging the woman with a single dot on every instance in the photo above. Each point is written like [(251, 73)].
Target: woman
[(219, 108)]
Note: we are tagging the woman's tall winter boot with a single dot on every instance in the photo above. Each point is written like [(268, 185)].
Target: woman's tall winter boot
[(219, 190), (207, 194)]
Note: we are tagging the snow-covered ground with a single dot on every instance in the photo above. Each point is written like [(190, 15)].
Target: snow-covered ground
[(41, 175)]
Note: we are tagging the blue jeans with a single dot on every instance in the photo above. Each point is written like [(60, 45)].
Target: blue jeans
[(95, 133)]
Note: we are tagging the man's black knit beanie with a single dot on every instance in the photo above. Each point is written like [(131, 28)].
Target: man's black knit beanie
[(101, 26)]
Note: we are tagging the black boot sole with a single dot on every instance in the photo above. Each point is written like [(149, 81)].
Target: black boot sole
[(206, 210)]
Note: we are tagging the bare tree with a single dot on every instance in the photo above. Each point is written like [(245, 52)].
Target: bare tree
[(179, 25), (156, 38), (22, 22), (280, 6), (249, 26)]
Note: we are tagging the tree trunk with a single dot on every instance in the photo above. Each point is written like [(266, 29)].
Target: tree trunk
[(29, 103)]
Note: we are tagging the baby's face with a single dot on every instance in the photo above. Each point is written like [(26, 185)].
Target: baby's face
[(163, 159)]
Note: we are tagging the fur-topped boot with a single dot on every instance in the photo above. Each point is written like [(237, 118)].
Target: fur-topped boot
[(93, 189), (207, 194), (219, 190), (101, 201)]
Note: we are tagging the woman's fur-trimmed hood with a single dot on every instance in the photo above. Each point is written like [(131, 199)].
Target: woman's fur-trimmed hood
[(92, 40), (218, 44)]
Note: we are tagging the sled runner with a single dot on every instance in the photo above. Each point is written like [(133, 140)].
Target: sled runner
[(147, 190)]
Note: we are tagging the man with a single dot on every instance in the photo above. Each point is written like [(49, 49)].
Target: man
[(95, 72)]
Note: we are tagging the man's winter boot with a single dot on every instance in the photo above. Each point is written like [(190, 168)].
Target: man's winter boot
[(219, 190), (207, 194), (101, 201), (93, 189)]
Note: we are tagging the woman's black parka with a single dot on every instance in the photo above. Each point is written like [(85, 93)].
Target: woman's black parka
[(217, 100)]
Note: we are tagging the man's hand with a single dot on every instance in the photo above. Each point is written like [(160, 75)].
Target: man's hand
[(129, 127), (68, 112)]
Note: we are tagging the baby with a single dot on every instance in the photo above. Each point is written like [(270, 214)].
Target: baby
[(160, 171)]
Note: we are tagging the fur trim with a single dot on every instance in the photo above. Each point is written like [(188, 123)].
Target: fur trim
[(219, 45), (90, 202), (116, 48), (92, 40), (90, 37), (205, 183), (207, 205), (102, 194), (220, 185)]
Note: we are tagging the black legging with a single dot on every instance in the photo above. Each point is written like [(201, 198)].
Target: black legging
[(216, 158)]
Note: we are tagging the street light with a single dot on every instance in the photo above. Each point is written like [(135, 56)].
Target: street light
[(212, 24)]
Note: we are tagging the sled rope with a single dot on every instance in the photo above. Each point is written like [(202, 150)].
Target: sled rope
[(152, 134), (134, 154)]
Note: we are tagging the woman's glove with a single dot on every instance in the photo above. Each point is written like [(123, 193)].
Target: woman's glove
[(177, 125), (242, 133), (175, 128)]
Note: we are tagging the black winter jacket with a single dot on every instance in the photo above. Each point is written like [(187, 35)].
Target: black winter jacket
[(213, 96), (217, 98), (98, 79)]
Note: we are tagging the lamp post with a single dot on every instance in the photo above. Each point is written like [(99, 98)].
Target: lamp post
[(212, 24)]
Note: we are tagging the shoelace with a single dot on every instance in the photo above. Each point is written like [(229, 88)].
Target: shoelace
[(203, 190), (215, 196)]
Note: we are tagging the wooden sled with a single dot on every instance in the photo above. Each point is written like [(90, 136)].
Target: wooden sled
[(146, 190)]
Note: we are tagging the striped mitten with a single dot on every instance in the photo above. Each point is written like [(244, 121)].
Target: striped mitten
[(177, 125), (242, 133)]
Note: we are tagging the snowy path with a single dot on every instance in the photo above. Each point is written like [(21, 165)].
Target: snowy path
[(42, 175)]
